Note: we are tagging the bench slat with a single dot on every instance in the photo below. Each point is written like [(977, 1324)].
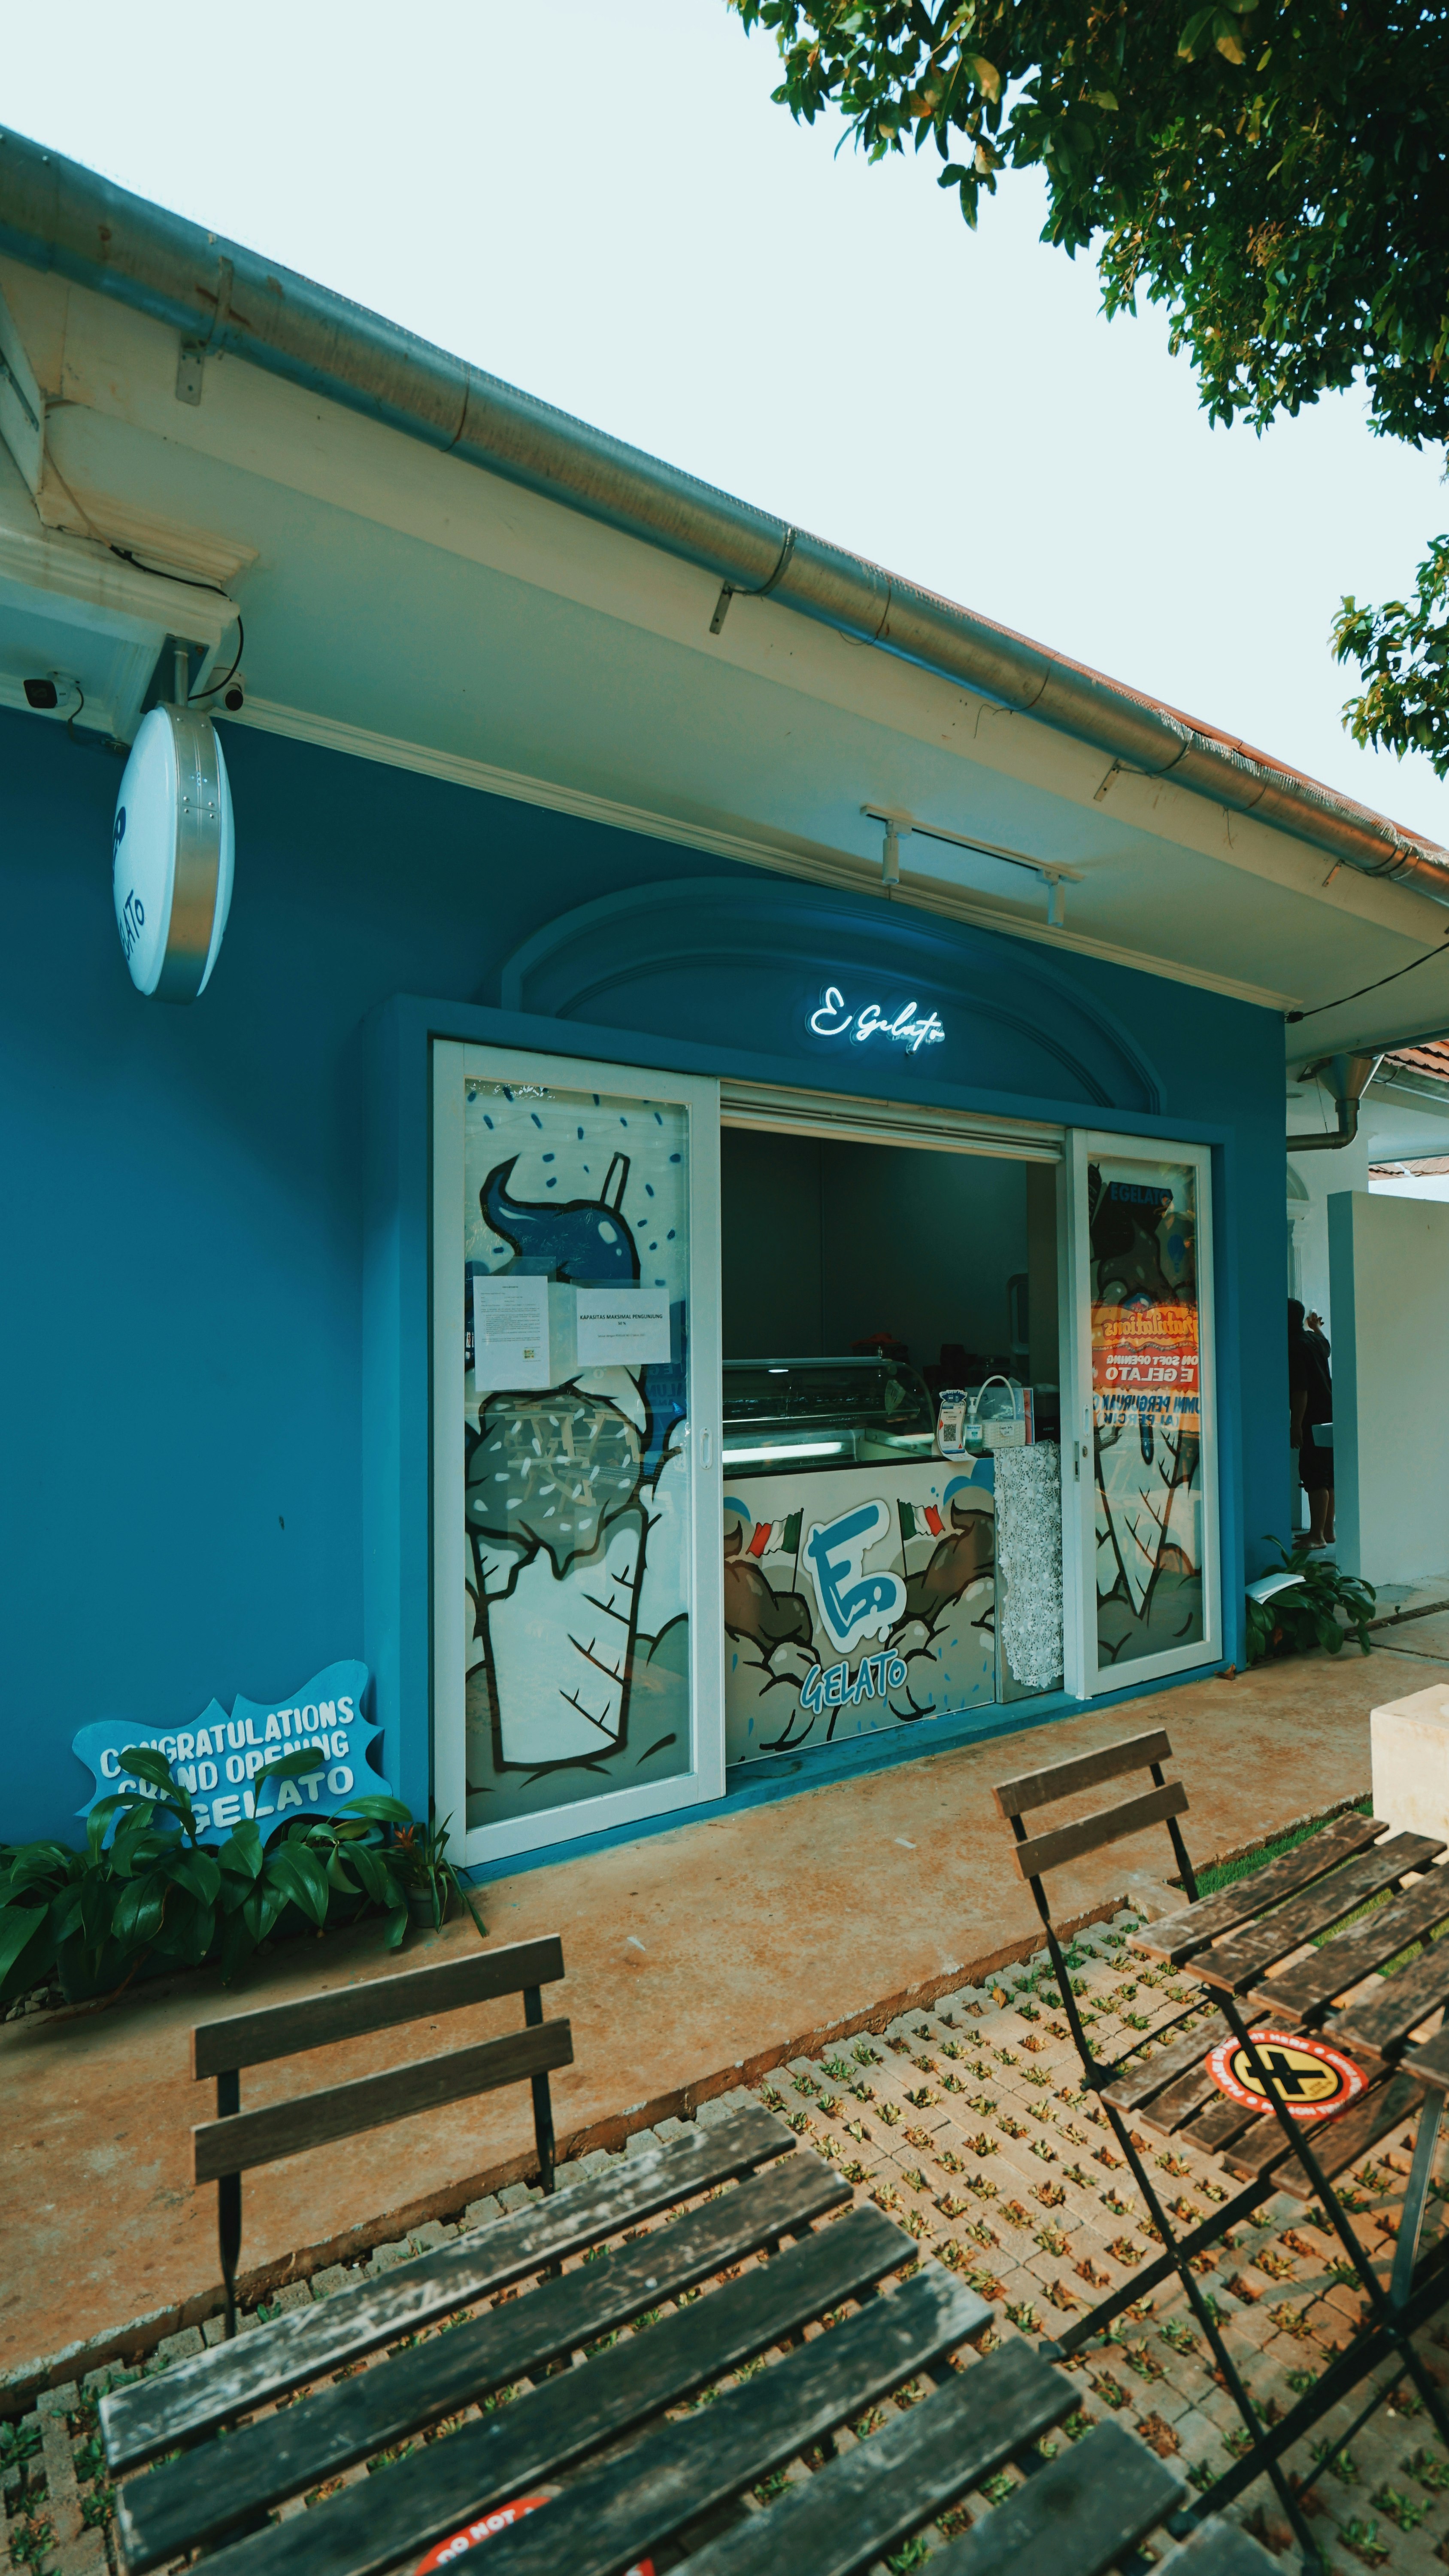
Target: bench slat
[(371, 2527), (1429, 2065), (1178, 1936), (351, 2012), (195, 2501), (1141, 2084), (1085, 1771), (1359, 1949), (857, 2507), (1219, 2548), (1385, 2020), (1110, 1825), (1192, 2090), (1335, 2143), (1238, 1962), (278, 2129), (1088, 2508), (1214, 2129), (194, 2397)]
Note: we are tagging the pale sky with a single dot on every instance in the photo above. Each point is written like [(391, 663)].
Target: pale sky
[(601, 204)]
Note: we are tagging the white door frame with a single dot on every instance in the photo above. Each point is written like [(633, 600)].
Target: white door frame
[(699, 1096)]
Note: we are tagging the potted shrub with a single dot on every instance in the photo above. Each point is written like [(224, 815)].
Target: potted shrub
[(1306, 1602), (430, 1882)]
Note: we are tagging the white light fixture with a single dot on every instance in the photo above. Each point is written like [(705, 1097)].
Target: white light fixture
[(172, 854), (805, 1449), (1049, 872)]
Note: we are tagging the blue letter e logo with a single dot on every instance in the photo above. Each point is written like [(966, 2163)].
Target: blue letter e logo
[(853, 1604)]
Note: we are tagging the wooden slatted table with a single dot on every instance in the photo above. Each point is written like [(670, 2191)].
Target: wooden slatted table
[(1289, 1948), (769, 2313)]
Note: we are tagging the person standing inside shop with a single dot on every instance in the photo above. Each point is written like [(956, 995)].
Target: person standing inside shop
[(1310, 1397)]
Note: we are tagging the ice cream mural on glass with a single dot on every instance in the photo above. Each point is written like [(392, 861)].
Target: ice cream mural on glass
[(576, 1495)]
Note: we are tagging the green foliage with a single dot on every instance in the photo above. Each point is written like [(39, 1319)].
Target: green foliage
[(1304, 1615), (1402, 652), (1270, 173), (153, 1893), (420, 1853)]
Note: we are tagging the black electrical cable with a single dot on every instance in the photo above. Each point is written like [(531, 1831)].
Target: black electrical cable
[(158, 575), (194, 700), (75, 711), (1292, 1016), (188, 583)]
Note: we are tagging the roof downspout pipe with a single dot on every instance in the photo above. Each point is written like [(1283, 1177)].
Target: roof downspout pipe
[(1345, 1078), (57, 215)]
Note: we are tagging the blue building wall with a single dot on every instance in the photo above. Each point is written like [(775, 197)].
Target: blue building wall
[(181, 1512)]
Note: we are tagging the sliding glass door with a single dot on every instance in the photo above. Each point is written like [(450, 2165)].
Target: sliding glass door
[(1145, 1444), (576, 1549)]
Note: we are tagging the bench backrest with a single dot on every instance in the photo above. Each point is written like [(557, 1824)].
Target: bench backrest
[(225, 2148), (1163, 1803), (240, 2139)]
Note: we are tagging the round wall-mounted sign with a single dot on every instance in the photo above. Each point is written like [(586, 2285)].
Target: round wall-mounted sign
[(172, 854)]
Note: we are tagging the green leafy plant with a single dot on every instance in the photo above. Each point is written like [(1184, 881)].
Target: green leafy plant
[(428, 1876), (1402, 651), (1305, 1614), (144, 1890), (1400, 2508)]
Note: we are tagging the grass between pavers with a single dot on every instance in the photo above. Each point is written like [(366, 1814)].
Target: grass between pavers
[(1227, 1873), (967, 2121)]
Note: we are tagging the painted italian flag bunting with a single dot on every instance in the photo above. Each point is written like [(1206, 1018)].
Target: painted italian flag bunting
[(920, 1520), (773, 1538)]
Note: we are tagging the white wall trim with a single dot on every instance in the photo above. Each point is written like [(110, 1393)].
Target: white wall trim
[(786, 857)]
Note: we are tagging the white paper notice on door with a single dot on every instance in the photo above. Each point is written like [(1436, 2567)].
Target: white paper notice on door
[(623, 1327), (510, 1331)]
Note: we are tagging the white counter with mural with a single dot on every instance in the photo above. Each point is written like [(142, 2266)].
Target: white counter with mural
[(855, 1599)]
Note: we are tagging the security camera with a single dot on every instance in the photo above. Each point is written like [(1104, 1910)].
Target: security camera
[(57, 689), (234, 698)]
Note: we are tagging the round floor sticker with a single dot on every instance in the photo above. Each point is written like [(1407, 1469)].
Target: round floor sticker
[(1312, 2080), (501, 2518)]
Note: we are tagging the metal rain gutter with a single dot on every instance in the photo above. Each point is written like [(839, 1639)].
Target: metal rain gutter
[(56, 215)]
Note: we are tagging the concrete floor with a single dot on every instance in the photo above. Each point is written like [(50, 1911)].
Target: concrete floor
[(1425, 1637), (696, 1960)]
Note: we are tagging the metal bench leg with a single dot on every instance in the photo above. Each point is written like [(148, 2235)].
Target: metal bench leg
[(542, 2099), (1165, 2268), (1382, 2307), (1406, 2250), (1228, 2374), (1097, 2076), (229, 2201)]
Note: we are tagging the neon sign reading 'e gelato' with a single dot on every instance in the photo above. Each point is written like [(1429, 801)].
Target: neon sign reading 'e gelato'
[(906, 1027)]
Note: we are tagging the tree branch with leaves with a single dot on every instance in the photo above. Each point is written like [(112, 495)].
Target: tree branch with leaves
[(1275, 176)]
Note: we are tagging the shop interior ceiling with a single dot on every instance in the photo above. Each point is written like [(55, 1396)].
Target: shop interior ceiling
[(405, 606)]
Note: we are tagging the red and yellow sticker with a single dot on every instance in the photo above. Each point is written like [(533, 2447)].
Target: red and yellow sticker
[(1310, 2079), (502, 2517)]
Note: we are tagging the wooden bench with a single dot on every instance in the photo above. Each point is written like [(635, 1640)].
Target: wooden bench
[(198, 2397), (225, 2148), (638, 2461), (1231, 1943), (1176, 2070)]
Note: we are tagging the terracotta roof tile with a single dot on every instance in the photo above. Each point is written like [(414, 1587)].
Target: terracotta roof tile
[(1432, 1057)]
